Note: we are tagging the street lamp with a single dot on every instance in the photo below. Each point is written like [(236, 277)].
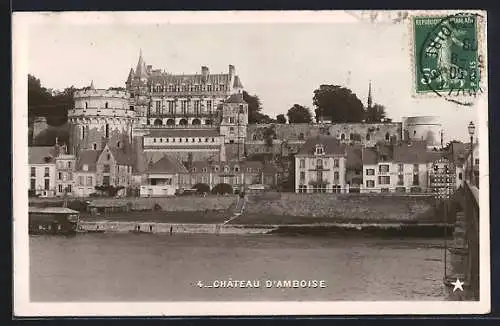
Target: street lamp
[(471, 129)]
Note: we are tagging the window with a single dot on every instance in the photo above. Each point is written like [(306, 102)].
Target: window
[(336, 163), (47, 184), (336, 176), (226, 169), (216, 169), (302, 189), (60, 188), (106, 105), (367, 136), (46, 172), (209, 106), (80, 180), (231, 130), (415, 180), (384, 168), (460, 176), (400, 180), (301, 136), (302, 175), (108, 157), (213, 140), (370, 183), (204, 170), (86, 105), (302, 163), (209, 88), (33, 172), (342, 137), (231, 119), (158, 107), (387, 136), (85, 167), (105, 168), (105, 180), (476, 161), (401, 167), (32, 184), (384, 180), (107, 130), (319, 164), (89, 181), (319, 150), (184, 107), (415, 168), (59, 176), (370, 171), (94, 146), (236, 169)]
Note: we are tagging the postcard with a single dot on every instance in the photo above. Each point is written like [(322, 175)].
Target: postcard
[(250, 163)]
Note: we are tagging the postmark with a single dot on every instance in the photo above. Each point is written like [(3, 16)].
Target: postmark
[(448, 57)]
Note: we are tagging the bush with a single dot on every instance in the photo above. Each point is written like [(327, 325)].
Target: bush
[(201, 188), (222, 188)]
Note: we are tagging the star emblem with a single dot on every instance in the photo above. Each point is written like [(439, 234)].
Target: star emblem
[(458, 285)]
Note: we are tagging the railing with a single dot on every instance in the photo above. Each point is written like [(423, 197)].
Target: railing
[(178, 126), (471, 210), (187, 114)]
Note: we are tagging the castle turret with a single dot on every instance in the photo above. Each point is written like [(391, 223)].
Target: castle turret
[(423, 128), (100, 117)]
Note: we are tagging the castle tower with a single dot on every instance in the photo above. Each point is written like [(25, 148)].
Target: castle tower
[(100, 116), (234, 121), (425, 128)]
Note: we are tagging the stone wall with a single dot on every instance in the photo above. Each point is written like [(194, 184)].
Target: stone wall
[(187, 203), (352, 207)]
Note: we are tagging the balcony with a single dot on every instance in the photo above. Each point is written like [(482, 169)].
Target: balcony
[(207, 95), (178, 126), (190, 114)]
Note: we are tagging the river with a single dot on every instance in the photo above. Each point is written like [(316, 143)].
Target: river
[(154, 267)]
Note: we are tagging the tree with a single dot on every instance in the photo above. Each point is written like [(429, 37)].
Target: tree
[(375, 113), (269, 135), (337, 103), (299, 114), (201, 188), (280, 118), (254, 110), (222, 189)]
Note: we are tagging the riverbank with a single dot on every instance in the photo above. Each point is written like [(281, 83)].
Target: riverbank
[(379, 229)]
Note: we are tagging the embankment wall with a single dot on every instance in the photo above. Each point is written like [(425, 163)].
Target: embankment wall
[(350, 207)]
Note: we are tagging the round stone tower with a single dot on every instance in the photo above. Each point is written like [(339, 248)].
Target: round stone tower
[(425, 128), (100, 116)]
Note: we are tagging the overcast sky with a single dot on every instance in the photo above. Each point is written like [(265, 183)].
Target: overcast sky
[(281, 63)]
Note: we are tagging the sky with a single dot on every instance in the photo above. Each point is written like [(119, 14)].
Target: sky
[(282, 63)]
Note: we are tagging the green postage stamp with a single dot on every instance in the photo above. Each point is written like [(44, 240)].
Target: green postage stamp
[(447, 55)]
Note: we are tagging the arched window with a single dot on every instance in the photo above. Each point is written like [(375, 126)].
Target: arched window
[(158, 122), (107, 130), (342, 137), (86, 105), (106, 105), (118, 144), (94, 146)]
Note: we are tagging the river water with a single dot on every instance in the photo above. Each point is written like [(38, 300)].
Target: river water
[(154, 267)]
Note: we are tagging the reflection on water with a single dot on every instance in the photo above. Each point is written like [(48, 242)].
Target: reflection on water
[(148, 267)]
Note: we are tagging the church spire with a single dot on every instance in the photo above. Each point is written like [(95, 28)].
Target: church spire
[(370, 94), (140, 70), (92, 85)]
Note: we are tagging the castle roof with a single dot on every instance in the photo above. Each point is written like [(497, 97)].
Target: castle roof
[(89, 158), (236, 98), (120, 157), (178, 79), (166, 165), (354, 157), (41, 154), (330, 144), (413, 152), (184, 133), (237, 82), (141, 70), (130, 75)]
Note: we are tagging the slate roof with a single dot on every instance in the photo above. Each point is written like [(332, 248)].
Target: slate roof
[(413, 152), (354, 157), (178, 79), (120, 157), (88, 157), (184, 133), (166, 165), (369, 156), (237, 82), (236, 98), (331, 146), (41, 154)]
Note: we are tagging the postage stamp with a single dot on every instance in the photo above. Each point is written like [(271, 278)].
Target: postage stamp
[(448, 55), (250, 163)]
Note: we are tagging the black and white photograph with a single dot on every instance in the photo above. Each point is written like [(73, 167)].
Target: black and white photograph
[(250, 163)]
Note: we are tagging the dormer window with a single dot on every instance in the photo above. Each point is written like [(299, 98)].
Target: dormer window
[(319, 150), (85, 167)]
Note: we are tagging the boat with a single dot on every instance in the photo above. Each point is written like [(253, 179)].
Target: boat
[(53, 220)]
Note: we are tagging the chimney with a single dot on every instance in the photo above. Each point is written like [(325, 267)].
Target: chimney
[(204, 72), (149, 68), (232, 71)]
